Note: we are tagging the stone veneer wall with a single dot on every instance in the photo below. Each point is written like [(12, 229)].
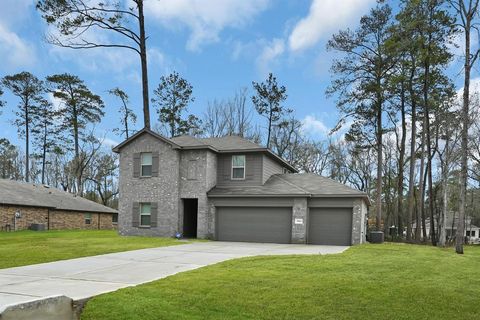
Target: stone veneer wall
[(53, 219), (299, 211), (198, 186), (164, 189), (358, 225)]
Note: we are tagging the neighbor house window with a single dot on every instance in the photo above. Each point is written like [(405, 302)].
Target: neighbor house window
[(472, 233), (146, 164), (145, 211), (88, 218), (115, 218), (238, 167)]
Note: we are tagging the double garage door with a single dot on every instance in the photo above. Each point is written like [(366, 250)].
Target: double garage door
[(332, 226)]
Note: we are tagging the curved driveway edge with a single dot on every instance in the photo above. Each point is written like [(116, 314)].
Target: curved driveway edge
[(90, 276)]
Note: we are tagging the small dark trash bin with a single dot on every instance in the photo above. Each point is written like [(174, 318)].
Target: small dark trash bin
[(376, 237)]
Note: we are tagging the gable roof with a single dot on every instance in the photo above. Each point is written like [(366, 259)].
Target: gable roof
[(286, 185), (141, 132), (226, 144), (38, 195)]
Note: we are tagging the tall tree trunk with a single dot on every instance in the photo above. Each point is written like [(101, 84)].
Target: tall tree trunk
[(27, 143), (442, 239), (464, 139), (422, 206), (269, 127), (378, 220), (401, 164), (44, 151), (411, 179), (420, 213), (126, 124), (143, 58), (77, 163)]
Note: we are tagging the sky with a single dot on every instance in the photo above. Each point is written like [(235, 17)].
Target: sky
[(219, 46)]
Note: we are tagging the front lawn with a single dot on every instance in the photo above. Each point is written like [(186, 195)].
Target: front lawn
[(29, 247), (389, 281)]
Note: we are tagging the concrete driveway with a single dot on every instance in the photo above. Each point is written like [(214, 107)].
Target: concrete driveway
[(86, 277)]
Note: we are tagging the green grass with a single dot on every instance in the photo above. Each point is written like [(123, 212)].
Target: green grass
[(29, 247), (389, 281)]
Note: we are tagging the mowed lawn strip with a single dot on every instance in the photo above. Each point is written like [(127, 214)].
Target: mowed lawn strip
[(389, 281), (29, 247)]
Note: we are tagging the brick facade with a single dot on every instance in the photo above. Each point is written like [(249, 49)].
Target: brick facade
[(53, 219)]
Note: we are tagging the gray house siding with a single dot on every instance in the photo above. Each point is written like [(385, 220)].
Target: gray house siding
[(162, 190), (270, 167), (253, 170)]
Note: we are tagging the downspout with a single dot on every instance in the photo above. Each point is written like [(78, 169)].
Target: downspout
[(98, 223)]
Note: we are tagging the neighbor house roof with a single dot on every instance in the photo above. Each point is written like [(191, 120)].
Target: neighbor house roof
[(227, 144), (449, 223), (295, 184), (38, 195)]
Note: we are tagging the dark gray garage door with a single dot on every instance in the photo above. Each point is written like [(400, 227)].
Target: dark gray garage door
[(254, 224), (331, 226)]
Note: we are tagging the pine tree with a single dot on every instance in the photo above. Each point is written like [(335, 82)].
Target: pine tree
[(172, 97), (29, 89), (80, 107)]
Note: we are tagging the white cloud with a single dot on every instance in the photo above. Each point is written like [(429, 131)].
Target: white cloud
[(56, 102), (107, 142), (14, 51), (270, 52), (314, 126), (205, 18), (325, 17)]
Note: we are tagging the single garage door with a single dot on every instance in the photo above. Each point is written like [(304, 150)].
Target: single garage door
[(332, 226), (254, 224)]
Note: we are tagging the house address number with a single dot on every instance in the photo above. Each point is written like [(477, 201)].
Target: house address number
[(299, 221)]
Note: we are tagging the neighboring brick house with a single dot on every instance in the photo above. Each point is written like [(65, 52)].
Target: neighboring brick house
[(25, 204), (233, 190)]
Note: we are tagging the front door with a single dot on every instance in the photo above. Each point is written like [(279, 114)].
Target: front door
[(190, 215)]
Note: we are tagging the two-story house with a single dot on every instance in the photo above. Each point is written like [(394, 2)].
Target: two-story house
[(230, 189)]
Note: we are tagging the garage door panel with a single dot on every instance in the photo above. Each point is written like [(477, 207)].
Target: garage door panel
[(330, 226), (254, 224)]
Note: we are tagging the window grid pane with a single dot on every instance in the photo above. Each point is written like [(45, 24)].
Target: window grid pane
[(238, 173), (145, 208), (238, 161), (145, 220), (146, 170), (146, 158)]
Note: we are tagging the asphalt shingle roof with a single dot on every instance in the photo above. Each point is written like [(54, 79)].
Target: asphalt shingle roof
[(227, 143), (307, 184), (38, 195)]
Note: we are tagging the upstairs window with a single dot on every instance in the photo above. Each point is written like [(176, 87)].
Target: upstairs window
[(238, 167), (145, 213), (146, 164)]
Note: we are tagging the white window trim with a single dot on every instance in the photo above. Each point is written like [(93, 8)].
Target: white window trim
[(89, 215), (141, 164), (144, 214), (238, 167)]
